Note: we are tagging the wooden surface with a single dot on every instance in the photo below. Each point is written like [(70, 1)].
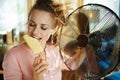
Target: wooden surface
[(1, 71)]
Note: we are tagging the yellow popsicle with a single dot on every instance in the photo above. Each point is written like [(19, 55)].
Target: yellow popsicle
[(33, 44)]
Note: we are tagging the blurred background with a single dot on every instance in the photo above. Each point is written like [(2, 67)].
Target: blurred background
[(13, 19)]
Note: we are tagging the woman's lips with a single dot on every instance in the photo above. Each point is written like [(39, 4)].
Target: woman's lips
[(38, 38)]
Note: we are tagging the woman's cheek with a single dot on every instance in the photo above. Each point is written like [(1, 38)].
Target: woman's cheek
[(46, 37), (30, 31)]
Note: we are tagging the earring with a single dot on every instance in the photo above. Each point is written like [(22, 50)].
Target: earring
[(52, 39)]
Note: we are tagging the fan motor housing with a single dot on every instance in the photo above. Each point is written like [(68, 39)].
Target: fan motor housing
[(82, 40)]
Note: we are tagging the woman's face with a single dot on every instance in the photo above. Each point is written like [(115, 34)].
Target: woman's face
[(41, 25)]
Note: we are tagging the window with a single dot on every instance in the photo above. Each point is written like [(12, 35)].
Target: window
[(13, 15)]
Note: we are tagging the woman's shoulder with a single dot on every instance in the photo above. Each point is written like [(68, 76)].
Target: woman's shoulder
[(17, 49)]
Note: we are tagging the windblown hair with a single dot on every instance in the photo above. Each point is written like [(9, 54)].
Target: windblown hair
[(54, 8)]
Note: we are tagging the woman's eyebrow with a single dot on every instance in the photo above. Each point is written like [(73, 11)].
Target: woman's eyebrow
[(32, 20)]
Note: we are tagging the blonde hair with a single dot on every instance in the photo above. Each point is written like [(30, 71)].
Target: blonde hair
[(56, 9)]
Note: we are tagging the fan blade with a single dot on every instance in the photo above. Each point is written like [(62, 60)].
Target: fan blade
[(83, 23)]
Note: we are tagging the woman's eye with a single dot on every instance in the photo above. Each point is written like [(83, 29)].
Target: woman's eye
[(31, 25), (44, 27)]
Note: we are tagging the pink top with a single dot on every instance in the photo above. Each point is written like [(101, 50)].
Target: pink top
[(18, 63)]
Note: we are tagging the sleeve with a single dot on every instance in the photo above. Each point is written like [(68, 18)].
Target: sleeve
[(11, 67), (63, 66)]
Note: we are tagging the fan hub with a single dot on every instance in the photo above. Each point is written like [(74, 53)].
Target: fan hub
[(82, 40)]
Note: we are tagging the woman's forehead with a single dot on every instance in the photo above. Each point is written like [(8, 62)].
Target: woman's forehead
[(42, 17)]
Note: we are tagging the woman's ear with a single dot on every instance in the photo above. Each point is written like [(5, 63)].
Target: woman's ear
[(53, 37)]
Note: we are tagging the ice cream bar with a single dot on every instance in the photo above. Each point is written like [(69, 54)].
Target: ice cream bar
[(33, 44)]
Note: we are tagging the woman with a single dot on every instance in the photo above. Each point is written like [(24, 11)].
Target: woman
[(20, 63)]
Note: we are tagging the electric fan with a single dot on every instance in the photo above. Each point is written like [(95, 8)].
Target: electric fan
[(90, 41)]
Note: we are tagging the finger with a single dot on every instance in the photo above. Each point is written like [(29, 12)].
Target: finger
[(43, 63), (37, 60), (42, 54), (42, 69), (40, 65)]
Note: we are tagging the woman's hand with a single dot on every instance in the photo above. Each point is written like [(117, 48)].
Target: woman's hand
[(39, 67)]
